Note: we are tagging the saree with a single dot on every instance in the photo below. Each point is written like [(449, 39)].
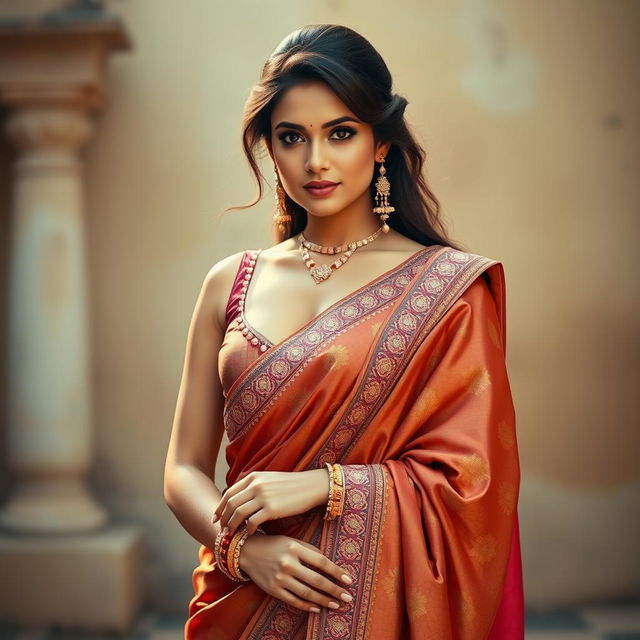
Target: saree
[(403, 382)]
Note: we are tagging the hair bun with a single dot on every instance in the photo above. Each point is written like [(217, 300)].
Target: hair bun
[(396, 106), (400, 102)]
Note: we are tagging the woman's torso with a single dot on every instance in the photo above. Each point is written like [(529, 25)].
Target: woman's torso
[(269, 301)]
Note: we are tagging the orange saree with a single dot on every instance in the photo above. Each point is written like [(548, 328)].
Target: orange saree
[(404, 383)]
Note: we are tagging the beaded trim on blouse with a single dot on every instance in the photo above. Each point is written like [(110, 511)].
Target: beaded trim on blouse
[(252, 336)]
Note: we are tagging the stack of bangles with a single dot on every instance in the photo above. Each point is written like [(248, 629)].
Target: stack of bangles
[(335, 503), (227, 552)]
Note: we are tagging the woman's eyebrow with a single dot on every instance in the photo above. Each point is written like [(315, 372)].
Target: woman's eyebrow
[(300, 127)]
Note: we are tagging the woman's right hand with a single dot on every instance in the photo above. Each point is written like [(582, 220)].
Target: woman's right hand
[(274, 563)]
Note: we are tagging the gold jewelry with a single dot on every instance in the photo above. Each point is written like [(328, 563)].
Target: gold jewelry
[(319, 273), (220, 548), (335, 503), (227, 553), (318, 248), (281, 217), (383, 189)]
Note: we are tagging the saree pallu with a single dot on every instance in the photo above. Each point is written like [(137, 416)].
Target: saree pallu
[(404, 382)]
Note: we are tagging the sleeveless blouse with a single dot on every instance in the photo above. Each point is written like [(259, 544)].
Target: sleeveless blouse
[(241, 344)]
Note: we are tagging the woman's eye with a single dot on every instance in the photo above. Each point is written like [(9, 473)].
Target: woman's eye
[(348, 130), (284, 137)]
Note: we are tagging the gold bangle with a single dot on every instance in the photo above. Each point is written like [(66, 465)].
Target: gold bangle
[(336, 491), (233, 555), (221, 558), (331, 491), (338, 481), (342, 489)]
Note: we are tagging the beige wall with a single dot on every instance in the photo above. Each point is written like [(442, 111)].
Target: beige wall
[(527, 112)]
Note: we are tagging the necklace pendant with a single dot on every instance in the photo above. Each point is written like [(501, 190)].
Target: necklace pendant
[(320, 273)]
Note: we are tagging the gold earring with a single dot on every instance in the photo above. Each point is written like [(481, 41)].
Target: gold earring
[(280, 217), (383, 189)]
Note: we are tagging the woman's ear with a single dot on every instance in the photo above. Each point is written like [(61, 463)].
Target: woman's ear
[(382, 148)]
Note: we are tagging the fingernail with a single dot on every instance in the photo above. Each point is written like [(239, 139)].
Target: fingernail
[(347, 579), (314, 609), (215, 517), (346, 597), (225, 531), (334, 605)]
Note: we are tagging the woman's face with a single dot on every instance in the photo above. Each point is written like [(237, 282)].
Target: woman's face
[(342, 152)]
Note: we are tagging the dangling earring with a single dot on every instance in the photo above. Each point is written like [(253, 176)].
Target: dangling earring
[(280, 217), (383, 188)]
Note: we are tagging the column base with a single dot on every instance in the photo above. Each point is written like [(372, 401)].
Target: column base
[(89, 581), (52, 506)]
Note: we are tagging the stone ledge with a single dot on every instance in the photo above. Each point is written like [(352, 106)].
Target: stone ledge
[(89, 581)]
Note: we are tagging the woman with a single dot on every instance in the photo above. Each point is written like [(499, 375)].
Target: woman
[(373, 467)]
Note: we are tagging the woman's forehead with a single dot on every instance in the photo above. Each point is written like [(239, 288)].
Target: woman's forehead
[(309, 104)]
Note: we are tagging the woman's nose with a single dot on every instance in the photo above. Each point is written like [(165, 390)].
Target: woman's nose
[(317, 158)]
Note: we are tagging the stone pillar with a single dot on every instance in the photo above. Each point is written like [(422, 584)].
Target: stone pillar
[(49, 395), (61, 561)]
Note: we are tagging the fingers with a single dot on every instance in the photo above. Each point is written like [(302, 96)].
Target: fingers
[(230, 492), (239, 515), (302, 586), (312, 555), (229, 506), (221, 505), (320, 583), (255, 520), (302, 596), (292, 599)]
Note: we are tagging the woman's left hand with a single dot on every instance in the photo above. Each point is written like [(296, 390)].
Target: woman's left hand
[(269, 495)]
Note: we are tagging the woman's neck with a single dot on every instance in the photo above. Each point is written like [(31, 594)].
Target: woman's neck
[(334, 230)]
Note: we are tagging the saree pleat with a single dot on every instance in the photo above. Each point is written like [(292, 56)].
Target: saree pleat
[(403, 382)]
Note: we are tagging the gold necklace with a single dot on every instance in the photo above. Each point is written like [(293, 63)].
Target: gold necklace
[(321, 272)]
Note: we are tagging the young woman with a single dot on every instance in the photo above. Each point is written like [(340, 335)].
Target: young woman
[(358, 369)]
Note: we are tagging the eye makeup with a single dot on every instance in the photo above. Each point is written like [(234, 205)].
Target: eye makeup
[(282, 136)]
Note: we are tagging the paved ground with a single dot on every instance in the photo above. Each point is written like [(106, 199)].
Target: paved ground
[(606, 622)]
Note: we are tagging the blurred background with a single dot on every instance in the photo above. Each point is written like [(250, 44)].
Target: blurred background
[(120, 148)]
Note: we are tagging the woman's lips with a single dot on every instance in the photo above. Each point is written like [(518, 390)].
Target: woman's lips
[(321, 192)]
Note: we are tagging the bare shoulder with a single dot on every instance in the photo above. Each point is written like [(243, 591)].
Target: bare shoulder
[(217, 285)]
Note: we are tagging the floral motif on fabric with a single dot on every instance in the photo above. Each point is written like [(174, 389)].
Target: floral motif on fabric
[(248, 401), (432, 294), (352, 541)]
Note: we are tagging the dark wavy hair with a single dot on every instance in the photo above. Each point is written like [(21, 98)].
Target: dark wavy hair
[(357, 74)]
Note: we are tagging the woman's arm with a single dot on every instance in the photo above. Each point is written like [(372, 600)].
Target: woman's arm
[(197, 431), (189, 489)]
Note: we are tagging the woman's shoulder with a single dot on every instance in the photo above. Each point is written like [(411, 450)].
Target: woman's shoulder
[(219, 280), (451, 262), (226, 267), (464, 255), (471, 279)]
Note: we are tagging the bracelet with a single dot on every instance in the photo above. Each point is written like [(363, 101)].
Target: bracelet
[(335, 503), (220, 553), (227, 553), (338, 479), (233, 555)]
